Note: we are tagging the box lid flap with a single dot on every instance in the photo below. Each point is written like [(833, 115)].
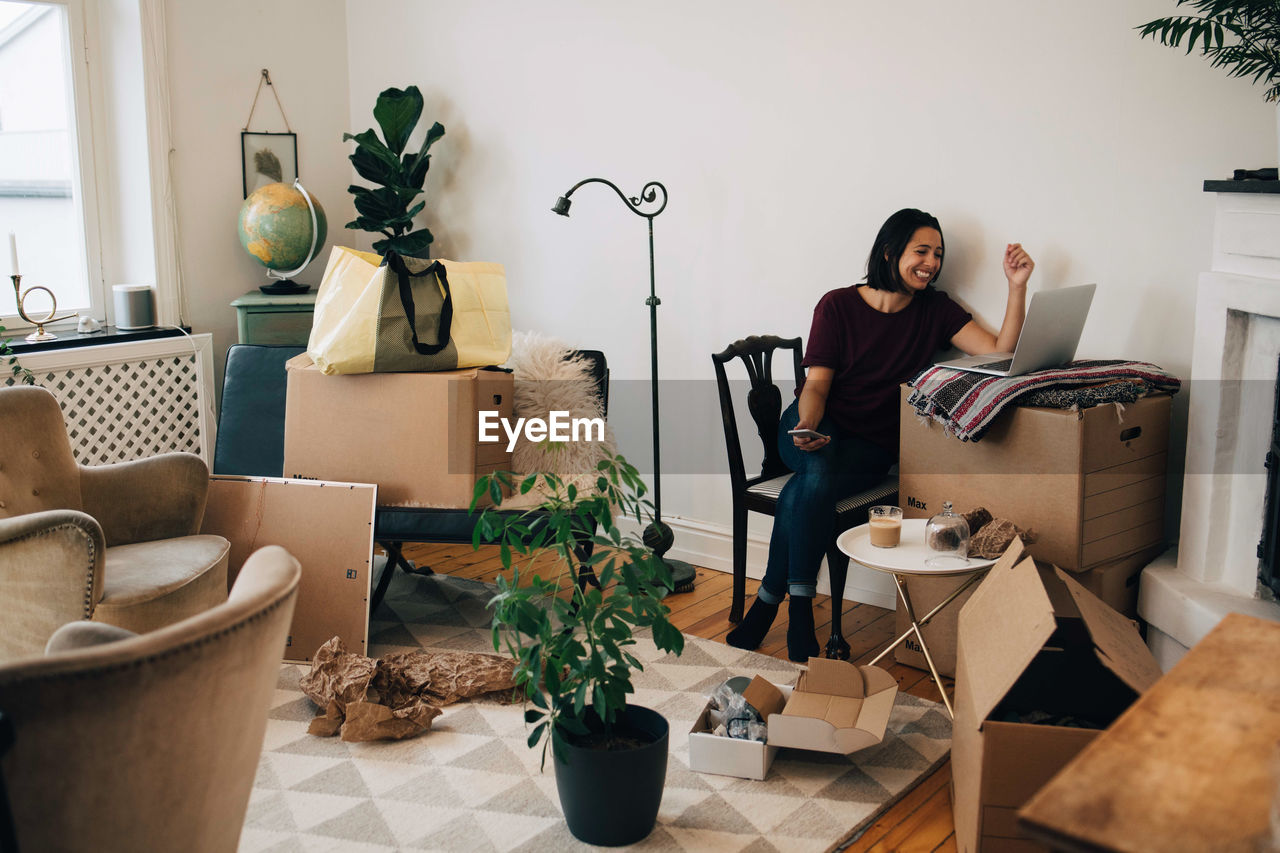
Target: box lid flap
[(1117, 643), (882, 692), (301, 361), (764, 697), (833, 678), (1002, 628)]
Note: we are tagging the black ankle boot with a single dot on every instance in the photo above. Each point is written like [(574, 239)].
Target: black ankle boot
[(751, 630), (802, 639)]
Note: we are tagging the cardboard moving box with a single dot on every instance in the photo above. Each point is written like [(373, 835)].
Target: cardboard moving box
[(940, 631), (1032, 643), (416, 435), (1115, 583), (725, 756), (835, 707), (1089, 484)]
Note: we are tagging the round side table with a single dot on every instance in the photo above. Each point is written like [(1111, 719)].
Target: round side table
[(909, 559)]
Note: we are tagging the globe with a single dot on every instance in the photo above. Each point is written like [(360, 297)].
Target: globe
[(275, 228)]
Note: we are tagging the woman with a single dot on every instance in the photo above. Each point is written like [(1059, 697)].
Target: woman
[(865, 341)]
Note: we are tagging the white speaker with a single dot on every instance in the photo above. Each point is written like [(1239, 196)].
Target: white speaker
[(135, 306)]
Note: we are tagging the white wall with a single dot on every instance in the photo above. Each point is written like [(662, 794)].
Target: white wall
[(785, 133), (216, 51)]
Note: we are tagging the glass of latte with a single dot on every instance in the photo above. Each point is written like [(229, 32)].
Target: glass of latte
[(885, 524)]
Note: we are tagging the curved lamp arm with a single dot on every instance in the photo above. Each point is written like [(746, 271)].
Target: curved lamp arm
[(648, 195)]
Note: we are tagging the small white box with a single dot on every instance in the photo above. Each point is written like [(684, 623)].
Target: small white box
[(724, 756)]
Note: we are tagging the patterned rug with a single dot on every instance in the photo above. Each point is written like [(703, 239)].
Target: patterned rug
[(471, 783)]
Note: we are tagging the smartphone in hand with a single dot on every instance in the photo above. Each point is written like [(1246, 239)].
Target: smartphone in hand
[(807, 433)]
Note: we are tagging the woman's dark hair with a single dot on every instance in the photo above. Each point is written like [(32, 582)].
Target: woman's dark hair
[(891, 242)]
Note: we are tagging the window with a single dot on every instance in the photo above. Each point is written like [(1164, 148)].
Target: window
[(47, 196)]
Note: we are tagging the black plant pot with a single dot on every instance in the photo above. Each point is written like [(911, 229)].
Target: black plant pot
[(611, 797)]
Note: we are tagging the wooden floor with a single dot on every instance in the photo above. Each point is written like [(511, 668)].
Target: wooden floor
[(921, 821)]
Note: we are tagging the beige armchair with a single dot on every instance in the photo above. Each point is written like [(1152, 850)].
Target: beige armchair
[(151, 742), (114, 543)]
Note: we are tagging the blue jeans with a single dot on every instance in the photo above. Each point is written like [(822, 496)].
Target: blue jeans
[(804, 523)]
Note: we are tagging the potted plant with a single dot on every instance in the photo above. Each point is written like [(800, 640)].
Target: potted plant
[(571, 642), (19, 372), (399, 174), (1240, 36)]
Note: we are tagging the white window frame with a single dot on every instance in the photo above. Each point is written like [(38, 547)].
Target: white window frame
[(94, 159), (82, 155)]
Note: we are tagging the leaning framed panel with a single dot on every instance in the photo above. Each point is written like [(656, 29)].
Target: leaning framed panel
[(912, 556), (328, 527)]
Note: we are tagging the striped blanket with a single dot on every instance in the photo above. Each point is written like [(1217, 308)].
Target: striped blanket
[(966, 403)]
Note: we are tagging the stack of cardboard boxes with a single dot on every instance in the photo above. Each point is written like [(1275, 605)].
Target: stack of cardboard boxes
[(1089, 485)]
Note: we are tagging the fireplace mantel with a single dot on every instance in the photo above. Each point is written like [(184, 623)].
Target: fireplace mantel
[(1213, 571)]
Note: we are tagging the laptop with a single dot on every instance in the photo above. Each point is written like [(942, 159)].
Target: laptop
[(1050, 335)]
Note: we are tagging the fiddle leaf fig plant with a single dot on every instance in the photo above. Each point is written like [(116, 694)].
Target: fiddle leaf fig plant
[(398, 173), (571, 639), (1240, 36)]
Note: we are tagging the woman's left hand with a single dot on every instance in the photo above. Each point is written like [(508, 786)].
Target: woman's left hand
[(1017, 266)]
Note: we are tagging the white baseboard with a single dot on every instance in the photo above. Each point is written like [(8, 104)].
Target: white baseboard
[(711, 545)]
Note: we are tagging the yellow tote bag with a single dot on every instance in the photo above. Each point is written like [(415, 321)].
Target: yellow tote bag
[(393, 314)]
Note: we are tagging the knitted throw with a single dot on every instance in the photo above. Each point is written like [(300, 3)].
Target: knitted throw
[(966, 403)]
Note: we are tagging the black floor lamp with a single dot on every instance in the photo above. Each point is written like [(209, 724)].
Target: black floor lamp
[(657, 535)]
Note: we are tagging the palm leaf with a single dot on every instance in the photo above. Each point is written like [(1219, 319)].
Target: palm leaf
[(1242, 37)]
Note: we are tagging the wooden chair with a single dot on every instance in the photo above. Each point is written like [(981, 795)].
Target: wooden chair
[(760, 493)]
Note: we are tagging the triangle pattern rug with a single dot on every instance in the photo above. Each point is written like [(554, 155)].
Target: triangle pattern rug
[(471, 783)]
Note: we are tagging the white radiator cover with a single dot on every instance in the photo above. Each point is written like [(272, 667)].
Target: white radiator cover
[(124, 401)]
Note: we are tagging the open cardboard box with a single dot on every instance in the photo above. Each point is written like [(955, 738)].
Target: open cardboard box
[(1115, 583), (1032, 639), (835, 707), (725, 756)]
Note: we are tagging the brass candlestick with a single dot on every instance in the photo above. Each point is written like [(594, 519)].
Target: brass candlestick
[(39, 334)]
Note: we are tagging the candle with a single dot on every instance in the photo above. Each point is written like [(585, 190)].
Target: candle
[(13, 253)]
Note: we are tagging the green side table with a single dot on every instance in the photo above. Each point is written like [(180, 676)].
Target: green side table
[(279, 320)]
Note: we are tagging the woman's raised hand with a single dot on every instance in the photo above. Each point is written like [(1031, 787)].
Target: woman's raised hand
[(1017, 266)]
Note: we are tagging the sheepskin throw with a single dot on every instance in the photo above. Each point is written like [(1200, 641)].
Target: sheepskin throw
[(548, 377)]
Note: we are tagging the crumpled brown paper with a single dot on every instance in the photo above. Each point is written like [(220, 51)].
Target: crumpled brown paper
[(398, 695), (976, 518), (992, 536)]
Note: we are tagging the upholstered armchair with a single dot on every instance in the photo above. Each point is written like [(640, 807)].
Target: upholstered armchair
[(149, 742), (118, 543)]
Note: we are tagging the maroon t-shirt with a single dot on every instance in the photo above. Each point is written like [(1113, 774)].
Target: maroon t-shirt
[(872, 353)]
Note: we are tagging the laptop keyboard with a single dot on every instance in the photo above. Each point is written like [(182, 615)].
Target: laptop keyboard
[(1002, 364)]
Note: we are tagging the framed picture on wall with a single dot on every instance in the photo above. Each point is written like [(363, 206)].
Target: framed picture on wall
[(268, 158)]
